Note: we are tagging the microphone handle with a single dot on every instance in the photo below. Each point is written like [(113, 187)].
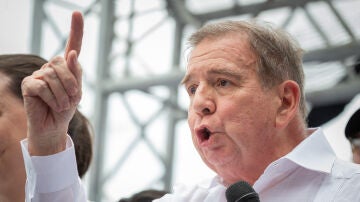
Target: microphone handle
[(249, 197)]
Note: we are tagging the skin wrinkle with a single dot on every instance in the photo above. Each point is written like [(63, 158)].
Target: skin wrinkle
[(241, 61), (214, 73), (225, 54), (241, 114)]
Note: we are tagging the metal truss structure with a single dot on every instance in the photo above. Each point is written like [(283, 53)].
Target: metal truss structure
[(132, 71)]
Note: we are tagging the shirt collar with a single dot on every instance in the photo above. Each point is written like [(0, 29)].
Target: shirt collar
[(314, 153), (212, 182)]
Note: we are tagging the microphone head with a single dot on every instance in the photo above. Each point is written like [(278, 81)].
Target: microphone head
[(241, 192)]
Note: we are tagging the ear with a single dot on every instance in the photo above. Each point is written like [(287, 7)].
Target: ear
[(289, 93)]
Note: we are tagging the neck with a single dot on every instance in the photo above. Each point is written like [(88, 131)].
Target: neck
[(282, 142)]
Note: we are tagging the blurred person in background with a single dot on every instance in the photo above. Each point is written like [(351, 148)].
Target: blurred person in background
[(13, 69), (352, 133), (247, 119), (145, 196)]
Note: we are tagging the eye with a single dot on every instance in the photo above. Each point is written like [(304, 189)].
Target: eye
[(223, 82), (191, 89)]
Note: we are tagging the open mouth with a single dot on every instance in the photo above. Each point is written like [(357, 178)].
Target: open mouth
[(203, 134)]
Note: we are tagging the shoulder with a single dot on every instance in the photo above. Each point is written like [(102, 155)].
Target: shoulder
[(342, 184), (346, 169), (347, 176)]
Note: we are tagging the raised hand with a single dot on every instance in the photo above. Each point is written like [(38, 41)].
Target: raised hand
[(52, 94)]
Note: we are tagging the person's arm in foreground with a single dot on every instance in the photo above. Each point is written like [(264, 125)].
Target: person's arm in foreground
[(51, 96)]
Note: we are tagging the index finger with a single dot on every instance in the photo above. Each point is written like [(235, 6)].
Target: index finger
[(76, 34)]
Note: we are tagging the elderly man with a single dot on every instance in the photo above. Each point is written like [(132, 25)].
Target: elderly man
[(247, 120)]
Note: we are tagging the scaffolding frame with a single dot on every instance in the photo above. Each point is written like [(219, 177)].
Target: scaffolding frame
[(106, 84)]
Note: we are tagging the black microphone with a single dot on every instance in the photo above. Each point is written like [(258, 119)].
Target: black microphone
[(241, 192)]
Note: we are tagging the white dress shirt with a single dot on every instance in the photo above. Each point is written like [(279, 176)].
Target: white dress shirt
[(52, 178), (309, 173)]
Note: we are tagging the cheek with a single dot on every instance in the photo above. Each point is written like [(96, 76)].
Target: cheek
[(6, 128), (236, 113), (7, 138), (22, 130), (239, 126), (18, 125), (192, 118), (244, 118), (191, 123)]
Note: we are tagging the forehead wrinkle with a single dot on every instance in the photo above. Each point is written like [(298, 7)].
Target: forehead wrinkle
[(239, 56), (188, 76), (231, 69), (239, 52)]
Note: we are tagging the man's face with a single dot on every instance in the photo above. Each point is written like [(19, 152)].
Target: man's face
[(231, 117)]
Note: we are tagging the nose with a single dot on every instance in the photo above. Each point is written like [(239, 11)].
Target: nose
[(203, 102)]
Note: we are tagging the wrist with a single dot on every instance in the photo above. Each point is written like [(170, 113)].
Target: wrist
[(50, 145)]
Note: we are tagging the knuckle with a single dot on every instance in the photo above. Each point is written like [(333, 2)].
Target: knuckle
[(44, 65), (56, 60), (41, 85), (24, 85), (68, 79), (25, 80), (38, 73), (50, 72)]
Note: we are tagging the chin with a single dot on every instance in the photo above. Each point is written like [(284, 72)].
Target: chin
[(219, 161)]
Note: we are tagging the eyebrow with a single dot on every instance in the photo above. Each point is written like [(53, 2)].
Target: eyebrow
[(186, 78), (226, 71)]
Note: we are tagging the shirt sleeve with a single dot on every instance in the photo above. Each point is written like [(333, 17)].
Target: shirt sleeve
[(54, 177)]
